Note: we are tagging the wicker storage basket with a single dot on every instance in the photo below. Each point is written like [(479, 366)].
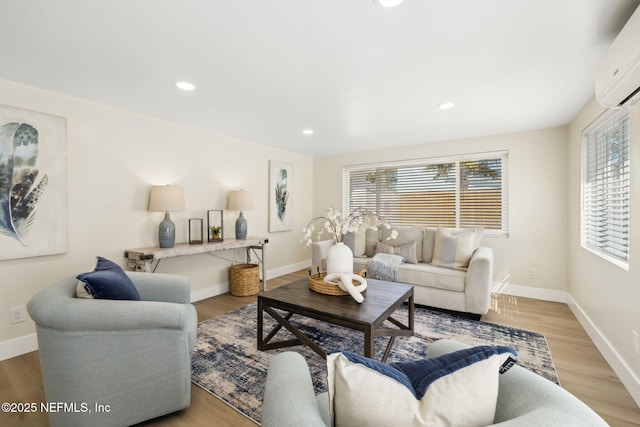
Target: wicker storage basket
[(245, 280), (317, 284)]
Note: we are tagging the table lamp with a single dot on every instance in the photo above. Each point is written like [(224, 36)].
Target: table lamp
[(166, 198), (241, 201)]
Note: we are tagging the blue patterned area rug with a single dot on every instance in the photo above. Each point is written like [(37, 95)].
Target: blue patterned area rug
[(228, 365)]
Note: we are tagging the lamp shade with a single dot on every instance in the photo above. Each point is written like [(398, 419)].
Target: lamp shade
[(241, 200), (165, 198)]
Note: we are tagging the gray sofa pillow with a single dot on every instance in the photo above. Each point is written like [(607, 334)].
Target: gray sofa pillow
[(407, 252), (406, 235), (370, 242), (428, 243)]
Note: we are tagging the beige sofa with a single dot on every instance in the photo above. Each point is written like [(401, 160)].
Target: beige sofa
[(461, 287)]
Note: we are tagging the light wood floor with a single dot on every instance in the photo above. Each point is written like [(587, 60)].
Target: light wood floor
[(581, 368)]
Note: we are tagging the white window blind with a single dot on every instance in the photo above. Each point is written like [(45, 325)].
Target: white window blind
[(605, 186), (461, 191)]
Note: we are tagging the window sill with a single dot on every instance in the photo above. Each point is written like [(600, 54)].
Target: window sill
[(615, 261)]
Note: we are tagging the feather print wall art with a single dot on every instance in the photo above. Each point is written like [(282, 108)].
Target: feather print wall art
[(33, 186), (280, 196), (19, 172)]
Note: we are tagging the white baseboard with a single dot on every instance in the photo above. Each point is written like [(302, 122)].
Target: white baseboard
[(209, 291), (621, 369), (533, 293), (287, 269), (617, 363), (18, 346)]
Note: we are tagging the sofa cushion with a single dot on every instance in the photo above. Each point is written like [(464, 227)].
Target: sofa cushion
[(454, 249), (406, 234), (371, 237), (458, 388), (355, 240), (106, 281), (429, 240), (422, 274), (407, 251), (432, 277)]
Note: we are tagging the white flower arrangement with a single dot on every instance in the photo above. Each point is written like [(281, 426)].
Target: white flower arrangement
[(338, 225)]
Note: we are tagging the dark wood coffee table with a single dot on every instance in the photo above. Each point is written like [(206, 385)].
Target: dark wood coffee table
[(381, 300)]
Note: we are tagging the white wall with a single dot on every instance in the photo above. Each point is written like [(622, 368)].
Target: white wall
[(114, 157), (607, 297), (544, 229), (537, 202)]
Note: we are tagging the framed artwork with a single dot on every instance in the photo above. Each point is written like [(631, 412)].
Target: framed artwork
[(280, 196), (33, 183)]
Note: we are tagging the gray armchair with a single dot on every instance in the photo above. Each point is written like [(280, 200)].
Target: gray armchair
[(524, 398), (116, 362)]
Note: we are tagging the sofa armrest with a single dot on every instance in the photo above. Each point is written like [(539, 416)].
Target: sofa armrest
[(525, 398), (289, 398), (478, 281), (319, 251), (162, 287)]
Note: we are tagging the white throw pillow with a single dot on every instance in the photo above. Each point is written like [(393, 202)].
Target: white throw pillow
[(455, 389), (454, 249)]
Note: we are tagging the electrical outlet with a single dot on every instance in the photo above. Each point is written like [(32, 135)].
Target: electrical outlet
[(634, 341), (533, 273), (18, 314)]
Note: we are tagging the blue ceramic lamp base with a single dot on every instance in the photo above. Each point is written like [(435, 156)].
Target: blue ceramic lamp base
[(167, 232), (241, 227)]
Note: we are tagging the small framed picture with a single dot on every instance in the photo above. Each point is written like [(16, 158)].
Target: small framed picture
[(195, 231), (215, 226)]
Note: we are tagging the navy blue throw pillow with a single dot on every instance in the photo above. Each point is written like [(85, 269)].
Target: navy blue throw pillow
[(109, 281)]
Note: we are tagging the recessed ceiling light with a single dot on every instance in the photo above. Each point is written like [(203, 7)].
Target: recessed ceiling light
[(185, 86), (308, 131), (387, 3), (446, 105)]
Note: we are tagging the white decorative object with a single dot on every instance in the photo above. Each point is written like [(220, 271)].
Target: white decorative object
[(339, 259), (338, 225), (345, 282)]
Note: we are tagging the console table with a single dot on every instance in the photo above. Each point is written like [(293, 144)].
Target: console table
[(141, 259)]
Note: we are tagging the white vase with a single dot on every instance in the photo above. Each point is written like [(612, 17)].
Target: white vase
[(339, 259)]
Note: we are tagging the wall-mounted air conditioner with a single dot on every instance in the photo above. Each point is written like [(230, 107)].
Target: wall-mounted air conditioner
[(618, 74)]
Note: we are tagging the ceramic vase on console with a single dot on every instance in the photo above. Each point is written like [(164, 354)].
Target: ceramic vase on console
[(340, 259)]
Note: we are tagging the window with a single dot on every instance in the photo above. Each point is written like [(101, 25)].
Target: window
[(605, 187), (461, 191)]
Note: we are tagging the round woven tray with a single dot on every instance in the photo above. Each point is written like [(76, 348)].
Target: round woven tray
[(245, 280), (317, 284)]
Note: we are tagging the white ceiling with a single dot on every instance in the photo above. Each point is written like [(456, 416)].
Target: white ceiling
[(363, 77)]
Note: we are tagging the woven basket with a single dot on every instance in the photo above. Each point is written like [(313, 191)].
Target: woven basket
[(317, 284), (245, 280)]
